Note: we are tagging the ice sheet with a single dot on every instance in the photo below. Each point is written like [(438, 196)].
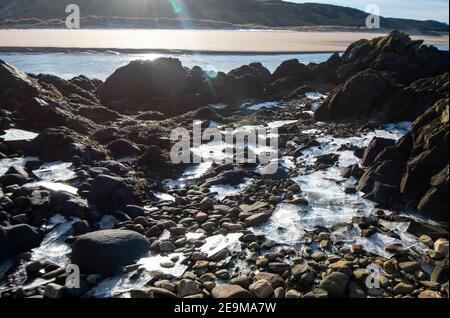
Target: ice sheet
[(53, 249), (284, 225), (164, 196), (5, 164), (252, 106), (120, 284), (107, 222), (315, 95), (53, 186), (5, 266), (18, 134), (376, 244), (153, 264), (217, 243), (226, 190), (55, 171)]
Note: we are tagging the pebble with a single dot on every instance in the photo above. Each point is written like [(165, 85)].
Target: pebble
[(261, 289)]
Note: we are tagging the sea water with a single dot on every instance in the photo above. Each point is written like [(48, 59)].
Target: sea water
[(102, 64)]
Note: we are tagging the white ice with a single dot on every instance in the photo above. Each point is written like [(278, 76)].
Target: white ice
[(17, 135), (217, 243)]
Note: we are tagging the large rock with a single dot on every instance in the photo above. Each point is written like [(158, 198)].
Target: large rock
[(413, 172), (143, 81), (357, 98), (109, 192), (62, 144), (15, 85), (18, 239), (334, 283), (387, 79), (230, 291), (105, 252)]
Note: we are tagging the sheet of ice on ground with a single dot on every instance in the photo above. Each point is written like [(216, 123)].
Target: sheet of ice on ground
[(284, 225), (18, 134), (194, 236), (53, 249), (6, 163), (55, 171), (226, 190), (5, 266), (315, 95), (120, 285), (164, 196), (258, 106), (280, 123), (154, 264), (376, 244), (128, 160), (345, 232), (217, 243), (396, 227), (328, 203), (218, 106), (53, 186), (190, 174), (107, 222)]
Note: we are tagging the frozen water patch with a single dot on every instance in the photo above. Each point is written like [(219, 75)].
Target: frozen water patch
[(315, 95), (107, 222), (189, 176), (7, 163), (154, 264), (284, 226), (120, 285), (164, 196), (225, 190), (18, 135), (55, 171), (259, 106), (53, 186), (218, 106), (53, 249), (217, 243), (376, 244), (5, 266), (280, 123)]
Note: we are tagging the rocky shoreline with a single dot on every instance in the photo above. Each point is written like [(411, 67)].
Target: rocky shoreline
[(361, 183)]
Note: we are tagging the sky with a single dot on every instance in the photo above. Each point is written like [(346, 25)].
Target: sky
[(409, 9)]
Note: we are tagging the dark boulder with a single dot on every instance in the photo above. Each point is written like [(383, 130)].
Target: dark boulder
[(109, 193), (15, 85), (414, 171), (357, 98), (105, 252), (121, 148), (376, 146), (18, 239)]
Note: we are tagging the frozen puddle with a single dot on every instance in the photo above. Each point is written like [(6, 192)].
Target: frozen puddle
[(7, 163), (55, 171), (53, 249), (315, 95), (18, 135), (53, 186), (284, 226), (328, 204), (216, 244), (225, 190), (169, 265), (259, 106), (164, 196)]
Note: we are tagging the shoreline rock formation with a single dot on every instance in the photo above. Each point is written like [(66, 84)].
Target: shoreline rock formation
[(86, 177)]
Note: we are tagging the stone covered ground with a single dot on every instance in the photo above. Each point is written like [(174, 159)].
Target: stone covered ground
[(357, 206)]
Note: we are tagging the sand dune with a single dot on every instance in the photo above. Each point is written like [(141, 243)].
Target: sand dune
[(192, 40)]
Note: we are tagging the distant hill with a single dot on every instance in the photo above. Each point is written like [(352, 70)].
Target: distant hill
[(197, 13)]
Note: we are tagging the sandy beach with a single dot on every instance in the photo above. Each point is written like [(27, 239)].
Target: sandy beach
[(191, 40)]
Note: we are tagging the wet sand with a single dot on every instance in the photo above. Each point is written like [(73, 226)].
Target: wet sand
[(190, 40)]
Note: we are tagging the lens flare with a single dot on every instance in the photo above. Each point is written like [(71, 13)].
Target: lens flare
[(176, 8)]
